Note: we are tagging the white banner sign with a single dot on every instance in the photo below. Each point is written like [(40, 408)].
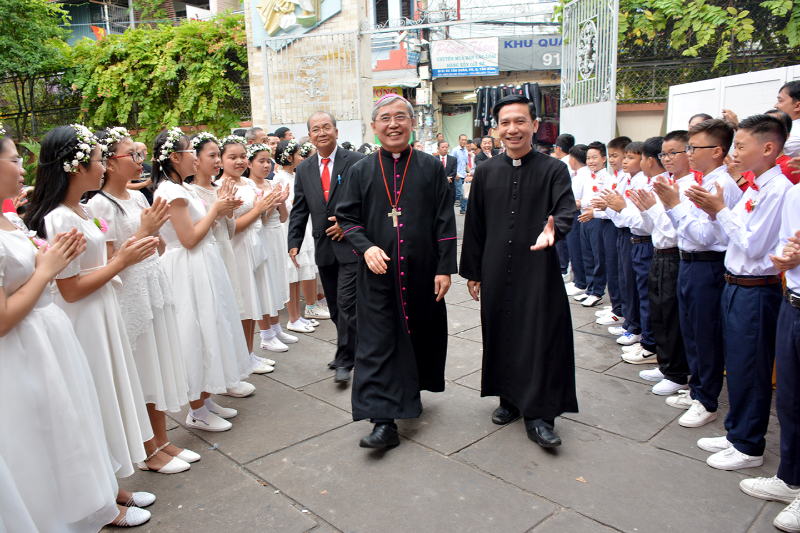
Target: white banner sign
[(466, 57)]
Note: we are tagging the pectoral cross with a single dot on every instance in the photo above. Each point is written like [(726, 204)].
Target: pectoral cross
[(394, 214)]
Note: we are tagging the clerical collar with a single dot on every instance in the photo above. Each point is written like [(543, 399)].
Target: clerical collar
[(521, 161), (389, 155)]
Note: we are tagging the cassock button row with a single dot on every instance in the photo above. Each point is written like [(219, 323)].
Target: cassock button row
[(401, 240), (401, 227), (402, 273), (402, 258)]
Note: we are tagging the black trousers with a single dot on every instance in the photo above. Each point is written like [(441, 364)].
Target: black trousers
[(339, 283), (662, 289)]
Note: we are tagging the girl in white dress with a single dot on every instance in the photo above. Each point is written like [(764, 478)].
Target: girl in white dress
[(301, 269), (146, 299), (70, 164), (214, 348), (248, 247), (273, 338), (208, 164)]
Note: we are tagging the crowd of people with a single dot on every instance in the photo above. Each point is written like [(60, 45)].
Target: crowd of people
[(118, 307)]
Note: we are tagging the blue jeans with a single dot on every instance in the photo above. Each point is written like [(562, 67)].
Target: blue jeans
[(459, 189), (787, 394)]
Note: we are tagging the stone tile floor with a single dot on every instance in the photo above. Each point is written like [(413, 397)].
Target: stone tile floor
[(292, 462)]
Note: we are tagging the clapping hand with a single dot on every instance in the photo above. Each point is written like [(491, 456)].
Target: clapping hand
[(66, 247), (612, 200), (791, 255), (642, 199), (669, 193), (711, 203), (155, 216)]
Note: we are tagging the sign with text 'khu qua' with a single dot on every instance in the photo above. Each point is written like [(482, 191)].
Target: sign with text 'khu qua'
[(530, 52), (464, 57)]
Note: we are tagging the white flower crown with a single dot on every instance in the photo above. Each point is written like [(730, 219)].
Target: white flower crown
[(306, 149), (253, 149), (173, 134), (290, 150), (371, 148), (83, 151), (233, 139), (2, 131), (114, 136), (203, 136)]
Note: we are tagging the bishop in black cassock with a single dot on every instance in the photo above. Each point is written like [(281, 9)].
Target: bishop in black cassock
[(396, 211), (528, 354)]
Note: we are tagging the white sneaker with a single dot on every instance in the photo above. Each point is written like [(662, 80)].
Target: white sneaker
[(666, 387), (592, 301), (572, 290), (565, 277), (317, 312), (696, 416), (285, 338), (733, 459), (626, 339), (714, 444), (313, 323), (632, 347), (581, 296), (769, 488), (262, 368), (270, 362), (222, 412), (274, 345), (212, 423), (639, 357), (609, 319), (244, 390), (789, 518), (299, 327), (682, 401), (653, 374), (603, 312), (617, 331)]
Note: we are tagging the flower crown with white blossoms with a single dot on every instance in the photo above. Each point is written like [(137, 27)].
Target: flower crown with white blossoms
[(203, 136), (306, 149), (173, 134), (2, 131), (230, 139), (253, 149), (83, 151), (113, 136), (371, 148), (288, 152)]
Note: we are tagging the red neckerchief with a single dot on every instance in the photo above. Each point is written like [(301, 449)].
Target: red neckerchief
[(698, 177), (752, 185)]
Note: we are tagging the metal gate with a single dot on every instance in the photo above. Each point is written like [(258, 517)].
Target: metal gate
[(314, 72), (589, 69)]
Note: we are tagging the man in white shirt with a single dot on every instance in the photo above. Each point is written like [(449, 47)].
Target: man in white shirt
[(789, 103), (751, 297)]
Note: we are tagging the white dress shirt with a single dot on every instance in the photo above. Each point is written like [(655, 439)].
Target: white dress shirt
[(330, 164), (659, 224), (792, 145), (790, 224), (580, 177), (630, 216), (565, 160), (695, 229), (592, 184), (751, 233)]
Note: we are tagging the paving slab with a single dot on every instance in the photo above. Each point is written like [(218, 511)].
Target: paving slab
[(463, 357), (596, 353), (214, 495), (274, 417), (565, 521), (326, 331), (473, 381), (461, 319), (764, 522), (629, 371), (359, 490), (581, 316), (451, 420), (335, 394), (617, 473), (472, 304), (305, 362), (458, 294)]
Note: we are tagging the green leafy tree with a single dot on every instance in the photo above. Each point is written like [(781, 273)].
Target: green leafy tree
[(164, 76), (151, 9), (31, 45)]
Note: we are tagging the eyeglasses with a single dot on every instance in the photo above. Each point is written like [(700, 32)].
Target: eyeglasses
[(665, 156), (101, 161), (327, 129), (690, 149), (136, 156), (400, 119), (17, 160)]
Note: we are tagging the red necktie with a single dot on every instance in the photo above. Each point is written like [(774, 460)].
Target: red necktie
[(444, 162), (326, 178)]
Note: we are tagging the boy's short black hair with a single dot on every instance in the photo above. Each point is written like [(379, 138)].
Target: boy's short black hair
[(579, 152), (634, 148), (652, 147), (619, 143), (597, 145), (792, 88), (721, 131), (565, 141), (787, 120), (766, 128), (677, 135)]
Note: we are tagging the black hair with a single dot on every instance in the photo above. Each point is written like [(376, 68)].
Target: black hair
[(199, 148), (315, 113), (652, 147), (476, 141), (787, 120), (487, 137), (619, 143), (578, 151), (677, 135), (766, 126), (513, 99), (439, 143), (704, 116), (280, 132), (721, 131), (597, 145), (227, 141), (162, 170), (241, 132), (284, 148), (367, 146), (634, 147), (565, 141), (52, 181), (792, 88), (347, 145), (102, 135)]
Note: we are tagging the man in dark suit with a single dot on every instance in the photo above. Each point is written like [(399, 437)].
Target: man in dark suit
[(450, 166), (487, 152), (317, 182)]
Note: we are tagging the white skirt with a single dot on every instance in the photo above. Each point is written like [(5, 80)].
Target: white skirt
[(209, 326), (304, 258), (277, 279), (226, 253), (99, 326), (52, 438), (248, 249)]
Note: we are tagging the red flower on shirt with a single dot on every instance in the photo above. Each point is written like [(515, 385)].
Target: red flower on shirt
[(594, 188), (628, 193), (613, 186), (749, 205)]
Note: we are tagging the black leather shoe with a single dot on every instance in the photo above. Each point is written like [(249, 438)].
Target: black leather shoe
[(544, 437), (382, 436), (342, 375), (332, 365), (503, 415)]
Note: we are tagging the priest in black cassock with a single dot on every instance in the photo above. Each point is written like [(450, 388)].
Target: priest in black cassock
[(520, 205), (397, 212)]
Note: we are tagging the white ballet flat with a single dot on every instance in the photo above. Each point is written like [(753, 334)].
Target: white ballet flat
[(141, 499), (189, 456), (222, 412), (173, 467), (134, 517), (302, 328), (243, 390)]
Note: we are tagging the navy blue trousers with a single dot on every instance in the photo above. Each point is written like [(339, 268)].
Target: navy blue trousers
[(642, 256), (700, 286), (665, 317), (594, 257), (627, 283), (787, 391), (612, 266), (575, 253), (749, 322), (563, 255)]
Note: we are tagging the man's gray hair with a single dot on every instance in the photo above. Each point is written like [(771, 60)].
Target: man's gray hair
[(315, 113), (252, 133), (386, 100)]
